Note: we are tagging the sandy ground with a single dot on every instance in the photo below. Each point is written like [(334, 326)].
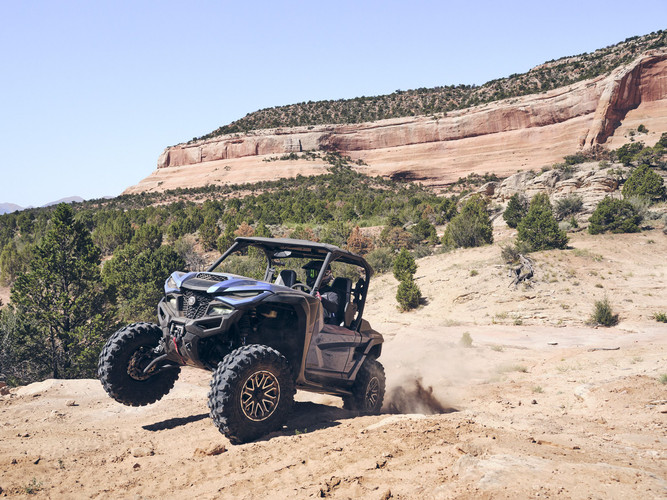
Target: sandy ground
[(539, 406)]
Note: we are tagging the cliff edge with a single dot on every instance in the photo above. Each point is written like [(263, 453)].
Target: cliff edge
[(502, 137)]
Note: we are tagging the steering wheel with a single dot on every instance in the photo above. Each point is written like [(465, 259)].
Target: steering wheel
[(301, 286)]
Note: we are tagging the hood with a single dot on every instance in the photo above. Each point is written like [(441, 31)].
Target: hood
[(231, 289)]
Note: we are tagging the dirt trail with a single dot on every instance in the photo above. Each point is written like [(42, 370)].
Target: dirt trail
[(546, 408)]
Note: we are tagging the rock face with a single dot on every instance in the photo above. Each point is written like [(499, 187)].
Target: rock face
[(588, 181), (500, 137)]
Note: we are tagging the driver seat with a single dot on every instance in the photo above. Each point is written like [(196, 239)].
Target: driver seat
[(343, 288), (286, 277)]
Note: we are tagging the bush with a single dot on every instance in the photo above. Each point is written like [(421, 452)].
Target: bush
[(644, 182), (626, 153), (381, 259), (539, 229), (396, 238), (616, 216), (358, 243), (603, 314), (470, 228), (510, 253), (404, 266), (466, 340), (517, 208), (569, 205), (408, 295), (661, 317)]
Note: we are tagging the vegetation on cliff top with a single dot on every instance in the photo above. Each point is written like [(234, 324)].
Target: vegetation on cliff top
[(439, 100)]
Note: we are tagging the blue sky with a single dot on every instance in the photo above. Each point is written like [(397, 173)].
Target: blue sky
[(92, 91)]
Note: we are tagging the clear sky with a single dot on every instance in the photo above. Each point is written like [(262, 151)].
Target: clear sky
[(91, 92)]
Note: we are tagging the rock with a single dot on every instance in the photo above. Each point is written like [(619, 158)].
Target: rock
[(141, 452), (581, 392), (71, 402), (211, 451), (4, 389), (498, 137), (386, 495)]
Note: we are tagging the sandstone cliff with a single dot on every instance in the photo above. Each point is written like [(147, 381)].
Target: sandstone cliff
[(501, 137)]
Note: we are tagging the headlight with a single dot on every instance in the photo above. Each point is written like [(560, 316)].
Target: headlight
[(174, 302), (218, 309)]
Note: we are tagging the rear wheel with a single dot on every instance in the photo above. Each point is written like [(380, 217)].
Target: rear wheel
[(123, 360), (251, 394), (368, 389)]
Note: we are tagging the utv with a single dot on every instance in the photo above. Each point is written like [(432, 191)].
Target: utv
[(262, 339)]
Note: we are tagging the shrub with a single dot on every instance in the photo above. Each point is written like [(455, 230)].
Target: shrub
[(575, 159), (626, 153), (396, 238), (517, 208), (466, 340), (603, 314), (661, 317), (404, 266), (358, 243), (408, 295), (616, 216), (424, 231), (644, 182), (470, 228), (569, 205), (381, 259), (539, 229), (510, 253)]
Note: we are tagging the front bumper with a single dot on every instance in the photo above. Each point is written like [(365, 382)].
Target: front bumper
[(184, 336)]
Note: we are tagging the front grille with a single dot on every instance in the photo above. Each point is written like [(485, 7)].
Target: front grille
[(198, 309), (210, 277)]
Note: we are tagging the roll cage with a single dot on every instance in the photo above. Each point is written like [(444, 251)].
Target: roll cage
[(279, 248)]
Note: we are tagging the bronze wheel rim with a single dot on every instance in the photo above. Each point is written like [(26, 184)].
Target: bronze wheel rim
[(260, 396)]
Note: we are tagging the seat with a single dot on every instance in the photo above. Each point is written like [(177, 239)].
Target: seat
[(286, 277), (343, 288)]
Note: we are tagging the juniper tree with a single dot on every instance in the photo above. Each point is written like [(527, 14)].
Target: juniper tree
[(62, 303), (539, 227)]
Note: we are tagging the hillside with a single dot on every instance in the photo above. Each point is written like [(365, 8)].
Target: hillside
[(625, 89), (440, 100), (539, 405)]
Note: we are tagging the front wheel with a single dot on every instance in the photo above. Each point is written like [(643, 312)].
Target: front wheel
[(123, 360), (368, 389), (251, 394)]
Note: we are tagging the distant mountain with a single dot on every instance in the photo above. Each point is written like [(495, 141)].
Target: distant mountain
[(69, 199), (6, 208)]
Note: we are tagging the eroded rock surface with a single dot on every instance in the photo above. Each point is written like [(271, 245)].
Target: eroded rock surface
[(501, 137)]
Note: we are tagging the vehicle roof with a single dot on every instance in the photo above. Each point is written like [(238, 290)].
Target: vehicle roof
[(306, 249)]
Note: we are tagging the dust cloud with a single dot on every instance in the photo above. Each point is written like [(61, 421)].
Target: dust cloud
[(428, 373), (413, 397)]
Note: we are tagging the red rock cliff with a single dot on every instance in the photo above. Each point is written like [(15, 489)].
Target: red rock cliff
[(501, 137)]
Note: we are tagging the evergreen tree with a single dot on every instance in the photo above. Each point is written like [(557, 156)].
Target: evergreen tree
[(404, 266), (539, 227), (644, 182), (147, 237), (471, 227), (61, 300), (517, 208), (209, 233), (408, 295), (616, 216), (136, 277)]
